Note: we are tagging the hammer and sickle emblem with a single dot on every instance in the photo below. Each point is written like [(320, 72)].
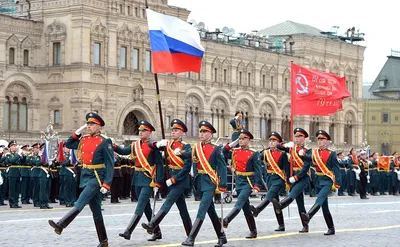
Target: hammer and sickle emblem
[(302, 82)]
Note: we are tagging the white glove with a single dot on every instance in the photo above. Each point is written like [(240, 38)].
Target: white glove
[(236, 117), (368, 177), (79, 131), (301, 152), (254, 192), (1, 150), (289, 145), (346, 158), (168, 182), (1, 180), (234, 143), (161, 143), (155, 190), (292, 180), (177, 151), (103, 190)]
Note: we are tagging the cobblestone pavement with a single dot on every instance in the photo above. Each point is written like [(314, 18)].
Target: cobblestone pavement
[(373, 222)]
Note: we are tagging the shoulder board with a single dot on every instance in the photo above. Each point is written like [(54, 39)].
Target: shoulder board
[(85, 135), (253, 150), (104, 136), (184, 143), (213, 144), (235, 148)]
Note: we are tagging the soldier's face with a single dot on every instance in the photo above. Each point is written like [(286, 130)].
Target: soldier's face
[(92, 128), (13, 148), (322, 142), (299, 139), (176, 134), (244, 141), (36, 150), (205, 135), (273, 143), (144, 134)]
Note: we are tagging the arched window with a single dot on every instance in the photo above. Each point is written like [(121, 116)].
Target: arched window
[(11, 54), (218, 121), (265, 126), (192, 119), (26, 58), (314, 127), (285, 133), (15, 116)]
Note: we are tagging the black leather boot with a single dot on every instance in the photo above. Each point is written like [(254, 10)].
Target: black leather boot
[(252, 226), (156, 235), (306, 217), (278, 206), (101, 233), (193, 233), (279, 218), (187, 224), (232, 214), (216, 222), (259, 208), (329, 223), (132, 225), (154, 222), (305, 226), (65, 221)]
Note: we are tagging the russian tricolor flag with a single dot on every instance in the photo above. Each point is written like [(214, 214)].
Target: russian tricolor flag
[(45, 156), (175, 44)]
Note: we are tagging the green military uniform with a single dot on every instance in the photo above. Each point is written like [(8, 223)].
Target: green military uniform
[(25, 181), (3, 174), (300, 166), (179, 167), (328, 177), (236, 125), (247, 166), (149, 173), (96, 153), (209, 169), (13, 160), (36, 162), (68, 181)]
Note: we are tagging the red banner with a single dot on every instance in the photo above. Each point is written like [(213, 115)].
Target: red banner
[(315, 92), (384, 163), (60, 152)]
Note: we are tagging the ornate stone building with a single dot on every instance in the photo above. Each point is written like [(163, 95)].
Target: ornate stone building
[(63, 58)]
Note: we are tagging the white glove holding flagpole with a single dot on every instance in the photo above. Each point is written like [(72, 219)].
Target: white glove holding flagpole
[(292, 180), (168, 182), (289, 145), (301, 152), (103, 190), (161, 143), (79, 131), (177, 151)]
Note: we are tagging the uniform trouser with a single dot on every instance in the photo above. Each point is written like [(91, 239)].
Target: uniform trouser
[(14, 188), (61, 191), (395, 183), (322, 198), (44, 191), (25, 189), (115, 189), (351, 178), (143, 204), (91, 195), (273, 191), (35, 190), (384, 182), (343, 187), (176, 195), (375, 182), (207, 205), (54, 188), (296, 192), (126, 185), (3, 187), (243, 201), (363, 186), (69, 182)]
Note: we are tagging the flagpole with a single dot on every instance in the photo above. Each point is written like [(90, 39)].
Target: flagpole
[(291, 111), (159, 106)]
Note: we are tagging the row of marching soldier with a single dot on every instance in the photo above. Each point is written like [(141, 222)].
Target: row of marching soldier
[(210, 176)]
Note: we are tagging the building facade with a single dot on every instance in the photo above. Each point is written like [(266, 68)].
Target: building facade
[(61, 59), (382, 109)]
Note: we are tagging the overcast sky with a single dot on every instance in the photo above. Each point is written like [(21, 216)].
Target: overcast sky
[(375, 19)]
